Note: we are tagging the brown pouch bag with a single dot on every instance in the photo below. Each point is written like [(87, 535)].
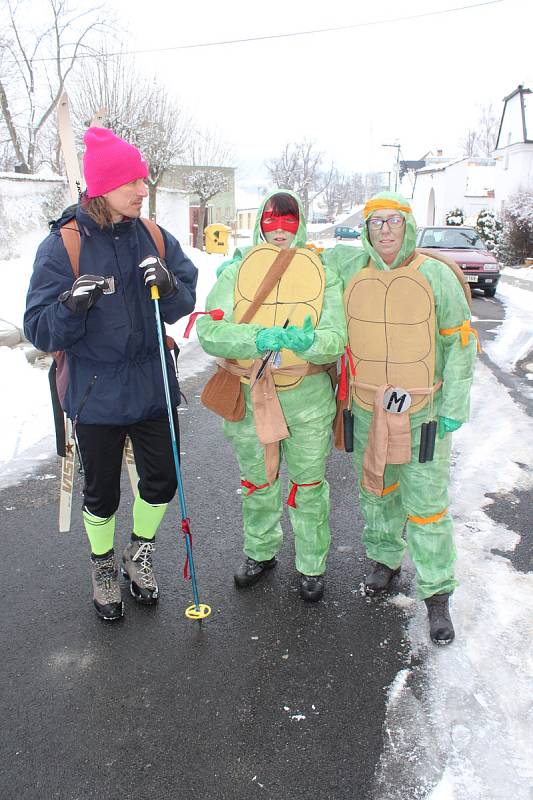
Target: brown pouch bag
[(223, 395)]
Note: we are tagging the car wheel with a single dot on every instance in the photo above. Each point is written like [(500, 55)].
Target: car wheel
[(490, 292)]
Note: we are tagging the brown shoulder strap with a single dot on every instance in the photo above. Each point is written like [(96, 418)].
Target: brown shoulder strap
[(453, 266), (282, 261), (155, 232), (70, 233)]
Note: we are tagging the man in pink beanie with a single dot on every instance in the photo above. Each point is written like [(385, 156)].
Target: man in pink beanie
[(104, 322)]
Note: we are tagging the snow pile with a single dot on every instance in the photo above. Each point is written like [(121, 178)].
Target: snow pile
[(26, 206), (515, 336), (15, 274), (468, 735), (26, 414), (524, 273)]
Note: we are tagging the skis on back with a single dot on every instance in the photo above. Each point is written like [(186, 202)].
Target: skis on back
[(72, 167)]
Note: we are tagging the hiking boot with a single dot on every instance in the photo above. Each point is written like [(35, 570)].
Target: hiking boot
[(440, 623), (311, 587), (107, 598), (380, 578), (138, 569), (250, 572)]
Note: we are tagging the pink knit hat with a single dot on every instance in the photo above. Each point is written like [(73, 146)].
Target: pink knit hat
[(109, 162)]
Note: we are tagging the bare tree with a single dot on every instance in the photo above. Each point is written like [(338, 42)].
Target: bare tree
[(298, 169), (34, 67), (487, 130), (136, 108), (207, 152), (338, 193), (481, 140), (469, 144)]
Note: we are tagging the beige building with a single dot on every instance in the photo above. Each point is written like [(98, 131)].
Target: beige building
[(220, 209)]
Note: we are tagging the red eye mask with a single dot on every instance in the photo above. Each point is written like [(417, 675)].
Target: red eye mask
[(287, 222)]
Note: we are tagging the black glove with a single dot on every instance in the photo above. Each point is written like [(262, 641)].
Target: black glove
[(86, 291), (156, 273)]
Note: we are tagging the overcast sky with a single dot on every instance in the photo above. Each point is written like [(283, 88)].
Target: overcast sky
[(419, 82), (416, 81)]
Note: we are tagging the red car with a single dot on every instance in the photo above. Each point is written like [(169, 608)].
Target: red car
[(466, 248)]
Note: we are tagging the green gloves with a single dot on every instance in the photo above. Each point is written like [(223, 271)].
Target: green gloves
[(269, 339), (447, 425), (298, 339), (292, 337)]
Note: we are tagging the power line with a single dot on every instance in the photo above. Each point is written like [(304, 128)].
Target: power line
[(226, 42)]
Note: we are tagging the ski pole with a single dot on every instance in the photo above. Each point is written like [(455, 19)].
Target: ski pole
[(198, 610)]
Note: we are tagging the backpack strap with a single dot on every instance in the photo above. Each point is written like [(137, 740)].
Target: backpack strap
[(70, 233), (155, 233)]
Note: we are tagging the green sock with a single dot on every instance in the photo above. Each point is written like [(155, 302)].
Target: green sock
[(101, 532), (147, 517)]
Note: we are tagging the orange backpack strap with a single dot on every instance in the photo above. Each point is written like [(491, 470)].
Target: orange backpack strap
[(70, 233), (155, 232)]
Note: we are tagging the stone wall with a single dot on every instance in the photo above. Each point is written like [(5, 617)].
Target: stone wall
[(27, 203)]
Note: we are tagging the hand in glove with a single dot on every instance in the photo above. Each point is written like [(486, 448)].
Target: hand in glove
[(156, 273), (86, 291), (447, 425), (299, 339), (269, 339)]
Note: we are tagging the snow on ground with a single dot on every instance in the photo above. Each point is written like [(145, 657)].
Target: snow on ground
[(471, 736), (515, 337), (524, 273)]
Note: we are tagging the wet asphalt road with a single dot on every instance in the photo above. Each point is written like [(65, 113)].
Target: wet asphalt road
[(270, 697)]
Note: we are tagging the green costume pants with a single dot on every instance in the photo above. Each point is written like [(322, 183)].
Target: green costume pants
[(422, 492), (309, 412)]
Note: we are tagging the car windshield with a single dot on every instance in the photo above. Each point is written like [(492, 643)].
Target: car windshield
[(451, 238)]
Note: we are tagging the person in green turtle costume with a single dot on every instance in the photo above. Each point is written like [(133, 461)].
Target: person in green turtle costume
[(307, 402), (408, 327)]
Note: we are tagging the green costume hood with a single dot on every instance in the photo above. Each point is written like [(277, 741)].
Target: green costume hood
[(301, 234), (409, 239)]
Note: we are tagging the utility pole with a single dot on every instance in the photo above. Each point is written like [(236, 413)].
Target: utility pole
[(397, 169)]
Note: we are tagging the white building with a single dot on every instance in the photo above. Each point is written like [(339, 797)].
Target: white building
[(514, 147), (437, 188)]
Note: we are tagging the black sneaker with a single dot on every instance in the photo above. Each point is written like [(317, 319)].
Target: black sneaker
[(380, 578), (311, 587), (250, 572), (440, 623)]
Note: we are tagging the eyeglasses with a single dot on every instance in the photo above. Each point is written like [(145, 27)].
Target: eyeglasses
[(376, 223)]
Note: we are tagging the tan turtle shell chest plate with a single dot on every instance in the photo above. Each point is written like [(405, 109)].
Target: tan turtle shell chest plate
[(298, 294), (391, 331)]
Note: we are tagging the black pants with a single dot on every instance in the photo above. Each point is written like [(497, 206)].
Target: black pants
[(101, 448)]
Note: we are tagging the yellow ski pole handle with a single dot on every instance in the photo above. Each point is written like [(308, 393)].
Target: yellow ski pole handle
[(154, 291), (201, 611)]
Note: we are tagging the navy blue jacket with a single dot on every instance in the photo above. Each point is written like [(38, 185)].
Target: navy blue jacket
[(112, 350)]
